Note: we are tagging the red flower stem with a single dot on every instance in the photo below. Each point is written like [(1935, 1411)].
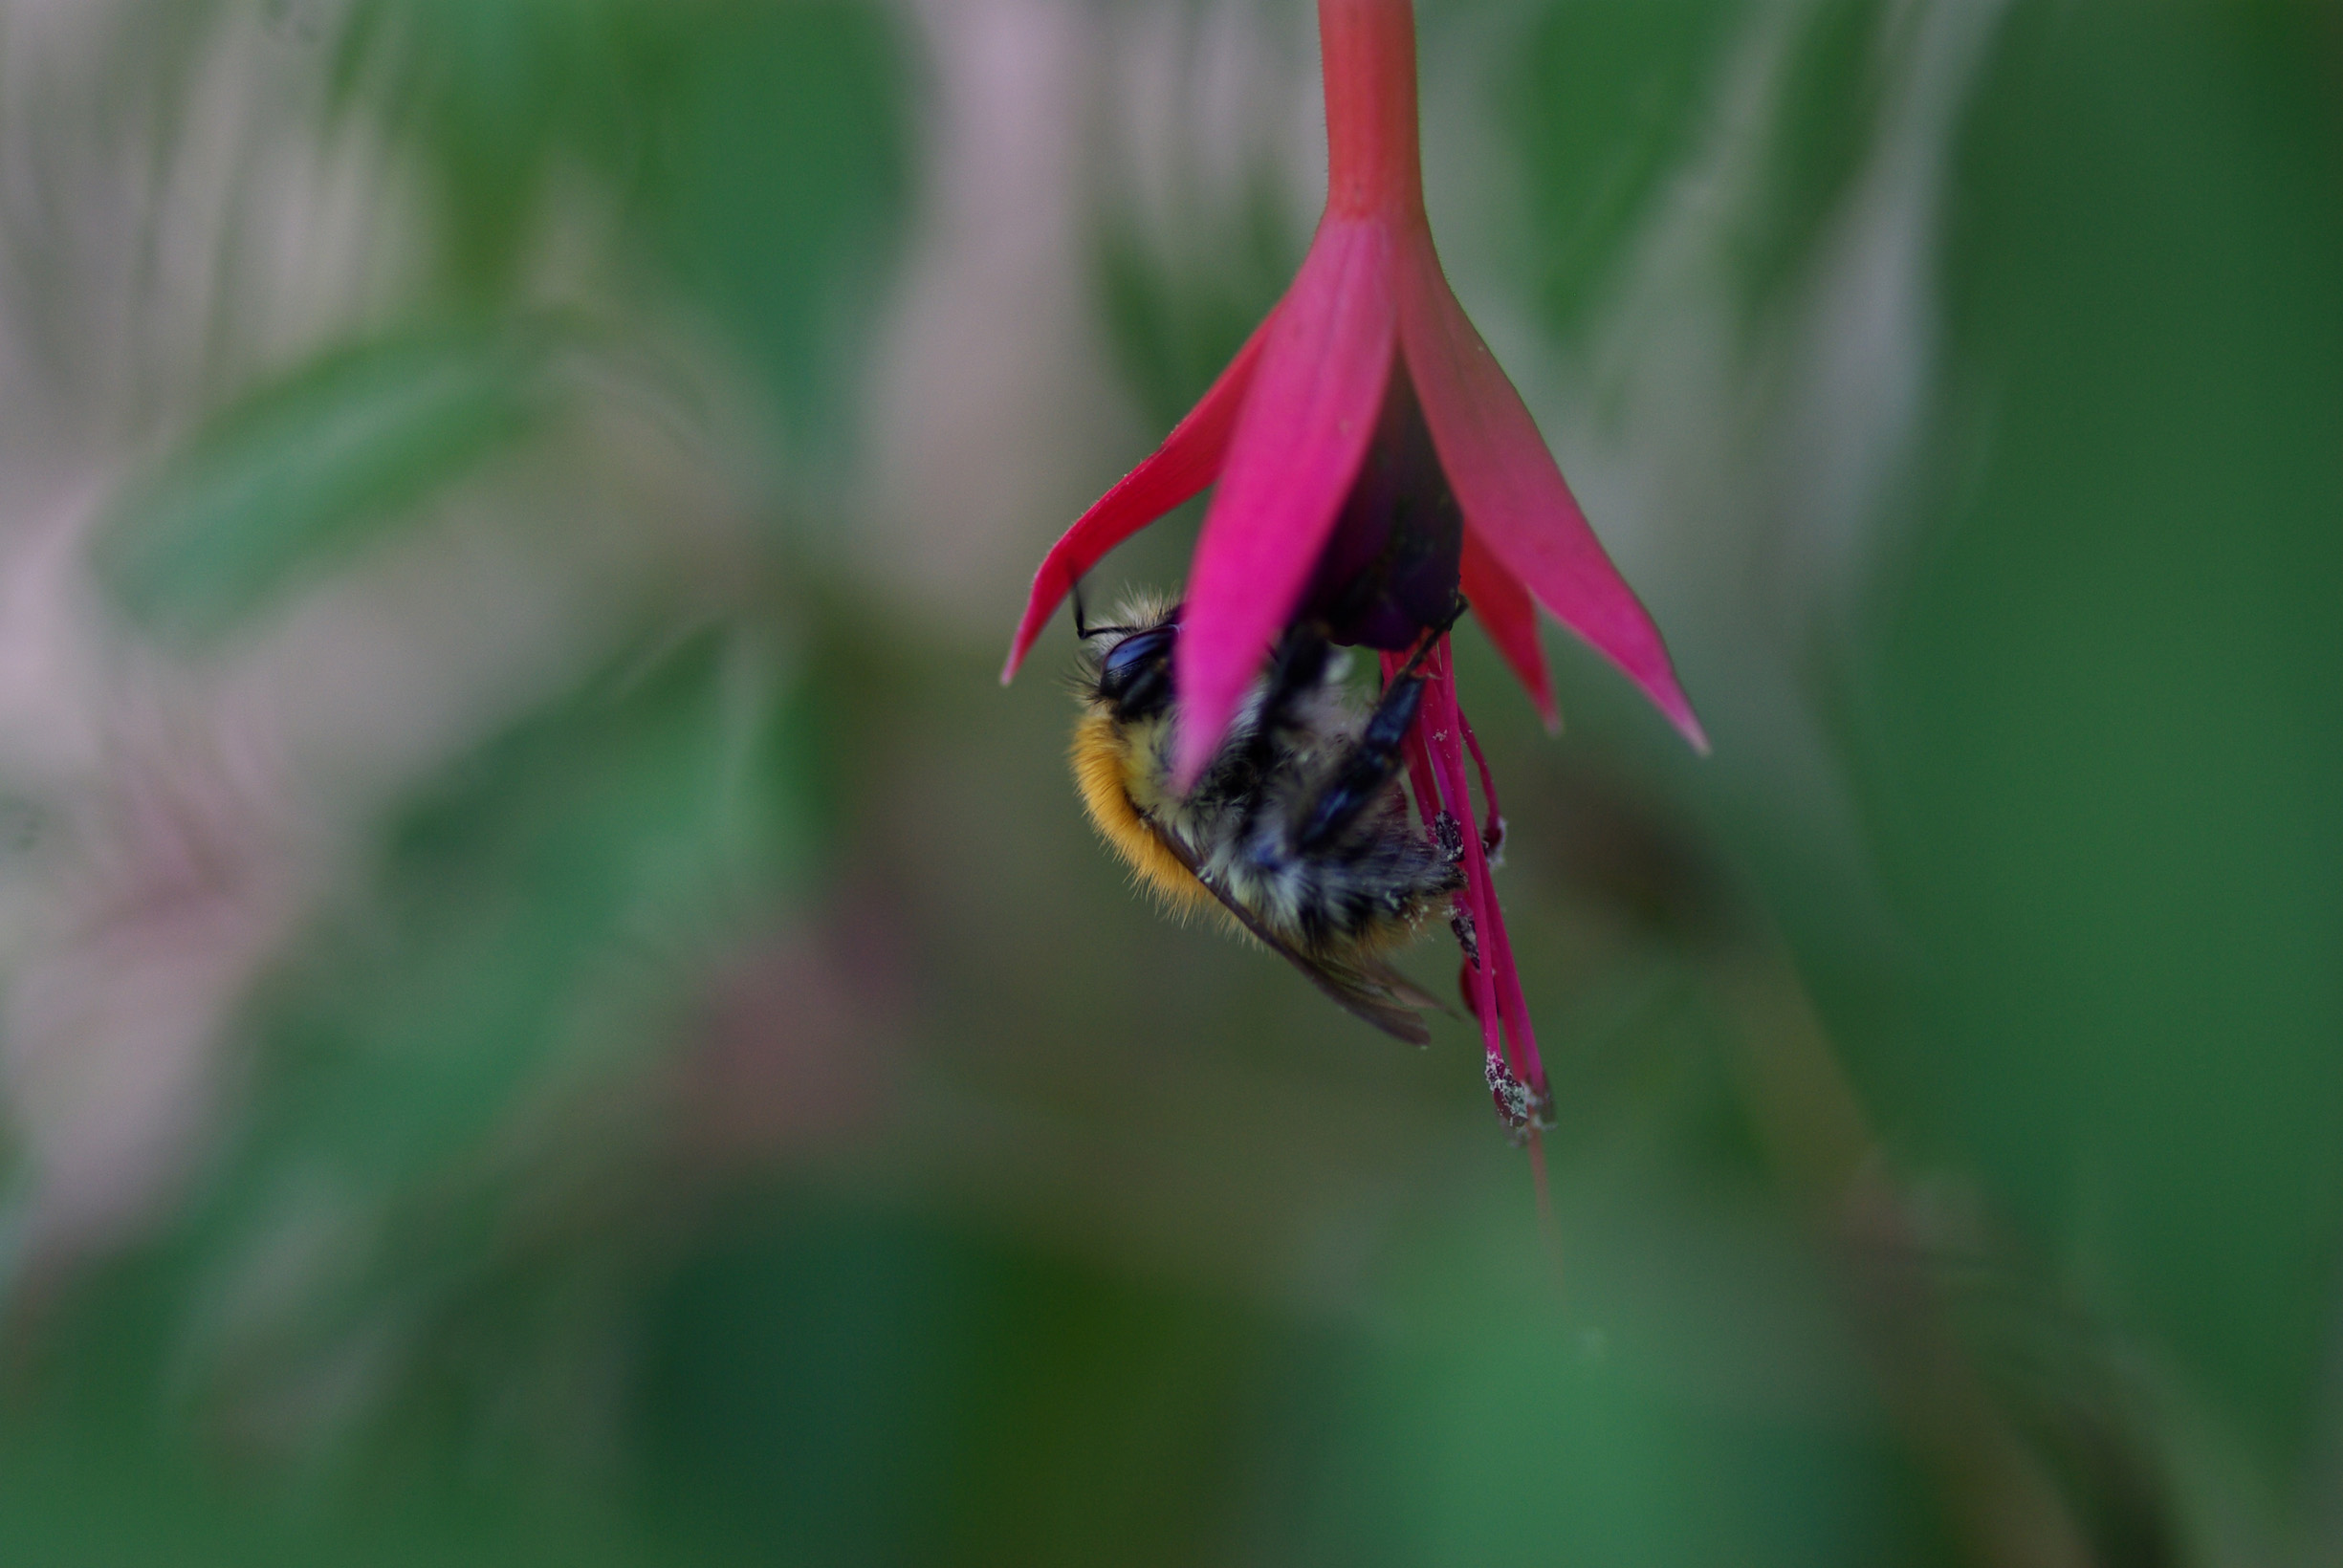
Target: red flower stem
[(1366, 48)]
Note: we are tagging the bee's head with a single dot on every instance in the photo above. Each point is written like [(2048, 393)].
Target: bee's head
[(1127, 667), (1134, 673)]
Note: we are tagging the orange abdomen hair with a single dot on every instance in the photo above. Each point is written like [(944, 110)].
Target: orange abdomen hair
[(1102, 761)]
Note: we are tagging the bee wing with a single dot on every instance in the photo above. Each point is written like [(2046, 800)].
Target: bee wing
[(1380, 998), (1403, 988)]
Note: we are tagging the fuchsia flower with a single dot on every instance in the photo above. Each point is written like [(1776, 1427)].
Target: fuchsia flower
[(1346, 438)]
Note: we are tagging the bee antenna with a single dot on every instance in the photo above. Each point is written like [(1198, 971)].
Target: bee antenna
[(1082, 626)]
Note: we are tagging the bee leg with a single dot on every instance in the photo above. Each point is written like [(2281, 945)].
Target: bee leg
[(1300, 668), (1297, 668), (1369, 768), (1374, 762)]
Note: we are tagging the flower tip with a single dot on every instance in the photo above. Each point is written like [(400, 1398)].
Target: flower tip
[(1669, 698), (1050, 590), (1690, 728), (1203, 725)]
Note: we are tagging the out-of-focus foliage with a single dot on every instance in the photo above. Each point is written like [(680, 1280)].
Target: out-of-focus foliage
[(757, 150), (294, 471), (554, 1012), (1608, 102), (2116, 827)]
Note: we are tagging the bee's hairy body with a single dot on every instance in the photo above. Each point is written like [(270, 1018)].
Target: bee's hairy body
[(1340, 886)]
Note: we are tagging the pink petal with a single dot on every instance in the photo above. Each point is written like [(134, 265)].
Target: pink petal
[(1513, 495), (1502, 606), (1189, 459), (1298, 446)]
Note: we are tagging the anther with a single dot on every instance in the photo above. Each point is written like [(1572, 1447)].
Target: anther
[(1468, 935), (1513, 1098)]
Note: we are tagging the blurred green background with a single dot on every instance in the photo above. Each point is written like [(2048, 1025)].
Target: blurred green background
[(552, 1010)]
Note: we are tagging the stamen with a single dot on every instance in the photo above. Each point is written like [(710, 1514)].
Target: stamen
[(1493, 833), (1504, 1014), (1435, 767)]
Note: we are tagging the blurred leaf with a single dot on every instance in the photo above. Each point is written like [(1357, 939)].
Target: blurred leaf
[(300, 471), (1173, 327), (2109, 757), (1611, 101), (97, 1469), (547, 899), (778, 189), (761, 151), (1609, 98), (433, 1202), (497, 94), (876, 1390), (1827, 123)]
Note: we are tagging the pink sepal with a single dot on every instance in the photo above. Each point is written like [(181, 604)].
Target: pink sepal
[(1298, 445), (1189, 459), (1503, 608), (1512, 493)]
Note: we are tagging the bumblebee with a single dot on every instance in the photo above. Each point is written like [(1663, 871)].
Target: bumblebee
[(1297, 832)]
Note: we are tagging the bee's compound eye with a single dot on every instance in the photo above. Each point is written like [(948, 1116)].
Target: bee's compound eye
[(1134, 653), (1137, 672)]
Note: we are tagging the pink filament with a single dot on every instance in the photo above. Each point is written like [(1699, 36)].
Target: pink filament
[(1435, 766), (1488, 785)]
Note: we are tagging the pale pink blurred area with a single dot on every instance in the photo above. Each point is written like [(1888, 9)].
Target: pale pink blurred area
[(991, 383), (183, 221), (186, 218)]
